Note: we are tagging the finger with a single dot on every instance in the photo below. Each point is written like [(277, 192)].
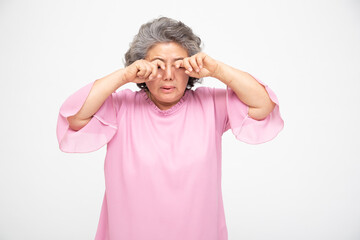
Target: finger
[(179, 64), (154, 71), (148, 71), (156, 65), (145, 70), (160, 64), (187, 65), (199, 60), (141, 70), (194, 64)]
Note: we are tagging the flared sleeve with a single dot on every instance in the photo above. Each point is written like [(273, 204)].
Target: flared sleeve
[(247, 129), (96, 133)]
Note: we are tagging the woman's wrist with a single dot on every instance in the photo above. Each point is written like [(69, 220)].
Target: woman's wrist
[(219, 72), (121, 77)]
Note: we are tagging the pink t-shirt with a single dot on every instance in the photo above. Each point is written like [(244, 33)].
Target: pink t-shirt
[(163, 167)]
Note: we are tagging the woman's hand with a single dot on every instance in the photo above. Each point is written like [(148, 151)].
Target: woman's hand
[(200, 65), (143, 71)]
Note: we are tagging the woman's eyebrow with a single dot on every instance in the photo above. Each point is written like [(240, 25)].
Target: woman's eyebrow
[(161, 59)]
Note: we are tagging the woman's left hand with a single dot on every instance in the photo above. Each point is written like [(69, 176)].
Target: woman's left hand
[(200, 65)]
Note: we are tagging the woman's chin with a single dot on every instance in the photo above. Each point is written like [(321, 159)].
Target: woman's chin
[(167, 95), (167, 100)]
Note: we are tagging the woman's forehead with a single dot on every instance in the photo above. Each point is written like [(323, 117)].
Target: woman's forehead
[(167, 50)]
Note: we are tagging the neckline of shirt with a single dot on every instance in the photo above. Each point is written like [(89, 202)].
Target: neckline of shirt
[(169, 111)]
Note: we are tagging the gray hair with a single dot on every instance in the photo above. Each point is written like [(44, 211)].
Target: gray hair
[(161, 30)]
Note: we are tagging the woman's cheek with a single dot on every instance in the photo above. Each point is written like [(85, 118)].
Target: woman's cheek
[(181, 72)]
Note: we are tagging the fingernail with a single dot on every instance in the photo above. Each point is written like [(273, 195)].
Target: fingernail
[(190, 69), (150, 77), (197, 70)]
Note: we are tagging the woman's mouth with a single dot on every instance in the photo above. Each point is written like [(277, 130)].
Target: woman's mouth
[(167, 89)]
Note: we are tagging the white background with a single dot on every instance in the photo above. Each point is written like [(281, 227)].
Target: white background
[(304, 184)]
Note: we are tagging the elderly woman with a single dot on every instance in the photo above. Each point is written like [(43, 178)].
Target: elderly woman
[(163, 161)]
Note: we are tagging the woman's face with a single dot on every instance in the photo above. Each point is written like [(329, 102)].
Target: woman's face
[(168, 90)]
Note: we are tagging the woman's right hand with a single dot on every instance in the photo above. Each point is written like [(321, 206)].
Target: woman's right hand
[(143, 71)]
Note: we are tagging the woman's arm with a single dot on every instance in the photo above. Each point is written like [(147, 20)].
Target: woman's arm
[(100, 91), (138, 72), (248, 90)]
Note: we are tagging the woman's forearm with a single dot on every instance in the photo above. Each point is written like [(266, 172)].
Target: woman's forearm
[(100, 91), (248, 90)]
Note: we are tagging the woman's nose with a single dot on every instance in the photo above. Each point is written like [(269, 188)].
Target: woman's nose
[(169, 72)]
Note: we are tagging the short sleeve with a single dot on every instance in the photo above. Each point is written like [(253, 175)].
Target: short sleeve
[(97, 132), (247, 129)]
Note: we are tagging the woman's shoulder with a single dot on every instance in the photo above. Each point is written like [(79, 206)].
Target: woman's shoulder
[(128, 93), (126, 97), (211, 91)]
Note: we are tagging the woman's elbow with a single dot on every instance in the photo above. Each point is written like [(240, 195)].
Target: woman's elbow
[(261, 113), (77, 124)]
